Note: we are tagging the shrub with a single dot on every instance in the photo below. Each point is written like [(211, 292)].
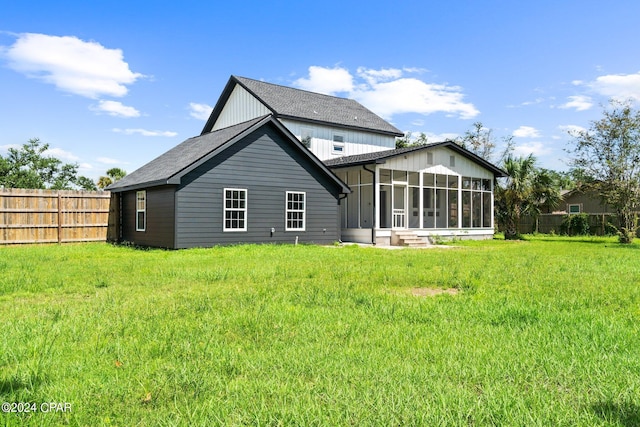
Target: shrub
[(575, 225)]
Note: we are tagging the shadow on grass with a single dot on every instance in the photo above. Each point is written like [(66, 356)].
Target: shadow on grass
[(14, 384), (600, 240), (626, 414)]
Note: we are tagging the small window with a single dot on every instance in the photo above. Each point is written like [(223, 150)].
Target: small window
[(295, 211), (574, 209), (141, 210), (235, 209), (429, 158), (338, 144), (452, 161)]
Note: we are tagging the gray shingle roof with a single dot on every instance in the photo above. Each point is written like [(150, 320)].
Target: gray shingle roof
[(170, 166), (368, 158), (287, 102), (160, 169), (371, 157)]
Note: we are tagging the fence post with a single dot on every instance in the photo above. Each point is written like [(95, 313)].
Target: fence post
[(59, 218)]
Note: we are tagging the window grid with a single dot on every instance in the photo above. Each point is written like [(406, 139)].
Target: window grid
[(295, 211), (235, 209), (141, 210)]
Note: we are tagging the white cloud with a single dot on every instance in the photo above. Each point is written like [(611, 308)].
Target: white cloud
[(326, 80), (115, 108), (536, 148), (387, 93), (579, 102), (145, 132), (109, 161), (618, 86), (61, 154), (200, 111), (376, 76), (526, 132), (6, 147), (409, 95), (72, 65)]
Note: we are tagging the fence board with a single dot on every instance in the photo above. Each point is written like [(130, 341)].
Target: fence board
[(47, 216)]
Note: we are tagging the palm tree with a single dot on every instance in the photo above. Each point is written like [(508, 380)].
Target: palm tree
[(113, 175), (103, 182), (525, 191), (546, 194)]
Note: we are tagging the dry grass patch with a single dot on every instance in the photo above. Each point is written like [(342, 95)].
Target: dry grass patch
[(431, 292)]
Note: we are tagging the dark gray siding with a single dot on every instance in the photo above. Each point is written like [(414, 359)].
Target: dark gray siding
[(267, 166), (160, 228)]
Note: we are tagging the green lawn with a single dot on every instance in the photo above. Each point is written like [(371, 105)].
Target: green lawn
[(544, 332)]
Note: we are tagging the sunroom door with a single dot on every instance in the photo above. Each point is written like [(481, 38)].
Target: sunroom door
[(399, 206)]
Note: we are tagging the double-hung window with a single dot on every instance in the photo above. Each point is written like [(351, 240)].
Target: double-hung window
[(295, 211), (235, 209), (141, 210)]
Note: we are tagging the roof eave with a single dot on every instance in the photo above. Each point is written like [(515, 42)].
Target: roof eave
[(140, 186), (337, 125)]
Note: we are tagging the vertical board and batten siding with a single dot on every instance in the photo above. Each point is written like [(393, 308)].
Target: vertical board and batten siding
[(267, 166), (160, 212), (53, 216), (418, 162), (243, 106), (240, 107), (355, 142)]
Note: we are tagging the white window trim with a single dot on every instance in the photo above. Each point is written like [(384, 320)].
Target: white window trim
[(225, 210), (579, 205), (287, 210), (142, 193)]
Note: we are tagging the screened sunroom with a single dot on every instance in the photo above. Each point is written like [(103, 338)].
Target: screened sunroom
[(436, 190)]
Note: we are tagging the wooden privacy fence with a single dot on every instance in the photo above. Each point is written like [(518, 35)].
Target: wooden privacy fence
[(552, 223), (52, 216)]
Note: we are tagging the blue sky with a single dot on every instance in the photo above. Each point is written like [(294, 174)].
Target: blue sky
[(118, 83)]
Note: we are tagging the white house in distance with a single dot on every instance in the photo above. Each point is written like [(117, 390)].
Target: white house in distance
[(398, 196)]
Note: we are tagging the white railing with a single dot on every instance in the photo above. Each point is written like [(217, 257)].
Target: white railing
[(398, 218)]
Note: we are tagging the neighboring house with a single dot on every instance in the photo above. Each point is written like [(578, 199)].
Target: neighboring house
[(331, 127), (587, 201), (251, 182), (431, 191)]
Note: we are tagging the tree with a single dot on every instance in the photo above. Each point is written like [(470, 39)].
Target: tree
[(609, 153), (526, 190), (113, 175), (481, 142), (409, 141), (30, 167)]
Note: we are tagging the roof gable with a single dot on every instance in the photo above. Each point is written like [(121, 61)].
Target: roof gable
[(296, 104), (171, 166), (381, 156)]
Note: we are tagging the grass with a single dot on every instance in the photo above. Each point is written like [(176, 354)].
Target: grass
[(542, 332)]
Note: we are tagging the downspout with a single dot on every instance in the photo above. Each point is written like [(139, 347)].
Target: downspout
[(373, 226), (341, 197)]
